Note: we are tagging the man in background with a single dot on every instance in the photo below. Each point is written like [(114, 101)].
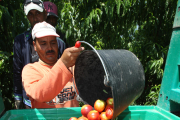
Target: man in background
[(52, 17), (24, 52)]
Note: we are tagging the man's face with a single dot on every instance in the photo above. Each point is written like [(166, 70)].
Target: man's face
[(52, 20), (47, 49), (35, 16)]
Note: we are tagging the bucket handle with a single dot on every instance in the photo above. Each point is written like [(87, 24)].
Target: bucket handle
[(106, 79)]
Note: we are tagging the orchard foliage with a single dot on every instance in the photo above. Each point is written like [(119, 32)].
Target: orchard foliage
[(12, 23), (141, 26)]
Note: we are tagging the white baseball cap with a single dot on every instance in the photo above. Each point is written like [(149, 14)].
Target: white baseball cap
[(43, 29), (33, 4)]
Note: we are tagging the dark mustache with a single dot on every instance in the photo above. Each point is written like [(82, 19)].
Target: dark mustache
[(50, 51)]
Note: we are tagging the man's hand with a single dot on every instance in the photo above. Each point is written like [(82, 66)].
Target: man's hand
[(70, 55), (18, 104)]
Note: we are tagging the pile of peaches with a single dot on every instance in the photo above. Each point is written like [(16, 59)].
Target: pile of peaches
[(103, 110)]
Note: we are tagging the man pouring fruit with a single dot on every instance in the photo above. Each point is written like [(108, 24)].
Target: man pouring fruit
[(48, 83)]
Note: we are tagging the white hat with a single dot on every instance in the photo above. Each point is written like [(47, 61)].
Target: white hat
[(33, 4), (43, 29)]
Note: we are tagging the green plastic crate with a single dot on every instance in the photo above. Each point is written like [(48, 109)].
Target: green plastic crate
[(131, 113)]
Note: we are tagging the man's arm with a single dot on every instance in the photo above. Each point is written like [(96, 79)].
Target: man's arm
[(43, 85), (17, 69)]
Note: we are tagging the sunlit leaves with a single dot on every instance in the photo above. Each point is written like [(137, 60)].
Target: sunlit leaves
[(12, 23), (0, 13), (152, 97), (95, 14)]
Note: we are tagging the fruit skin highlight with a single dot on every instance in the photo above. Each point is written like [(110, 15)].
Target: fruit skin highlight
[(103, 116), (78, 44), (73, 118), (109, 113), (110, 102), (82, 118), (86, 109), (99, 105), (93, 115)]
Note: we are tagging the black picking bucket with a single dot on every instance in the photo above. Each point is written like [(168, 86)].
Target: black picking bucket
[(100, 74)]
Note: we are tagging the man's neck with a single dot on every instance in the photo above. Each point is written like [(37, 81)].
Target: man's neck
[(45, 63)]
